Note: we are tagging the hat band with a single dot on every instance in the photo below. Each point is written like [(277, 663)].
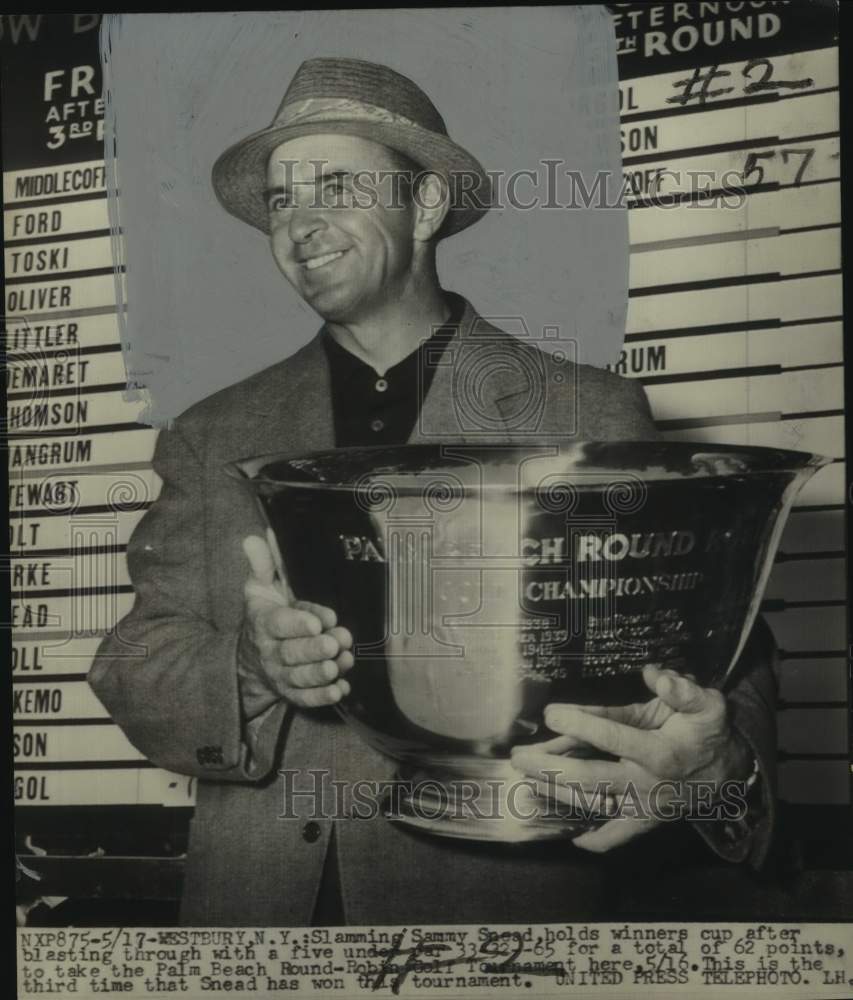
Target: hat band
[(327, 109)]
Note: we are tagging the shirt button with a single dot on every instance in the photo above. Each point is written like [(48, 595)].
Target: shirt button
[(381, 385), (377, 424), (311, 832)]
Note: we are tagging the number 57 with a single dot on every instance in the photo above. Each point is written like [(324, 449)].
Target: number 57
[(752, 166)]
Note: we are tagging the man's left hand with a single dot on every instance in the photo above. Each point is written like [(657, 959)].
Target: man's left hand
[(682, 734)]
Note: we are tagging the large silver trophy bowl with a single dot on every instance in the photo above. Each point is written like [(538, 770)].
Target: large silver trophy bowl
[(482, 583)]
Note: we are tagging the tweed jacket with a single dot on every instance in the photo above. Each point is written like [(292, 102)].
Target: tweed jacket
[(254, 858)]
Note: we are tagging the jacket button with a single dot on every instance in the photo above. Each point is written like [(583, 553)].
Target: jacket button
[(311, 832)]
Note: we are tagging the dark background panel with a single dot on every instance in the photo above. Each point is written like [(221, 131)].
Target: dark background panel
[(662, 37), (39, 53)]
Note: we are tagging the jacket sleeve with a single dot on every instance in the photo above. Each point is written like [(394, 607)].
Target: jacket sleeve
[(168, 673), (752, 710)]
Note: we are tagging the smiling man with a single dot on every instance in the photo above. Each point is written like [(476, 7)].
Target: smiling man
[(354, 244), (355, 182)]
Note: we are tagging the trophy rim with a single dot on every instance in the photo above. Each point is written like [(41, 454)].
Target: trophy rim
[(575, 462)]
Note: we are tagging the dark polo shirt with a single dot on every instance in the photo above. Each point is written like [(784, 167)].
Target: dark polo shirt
[(372, 409)]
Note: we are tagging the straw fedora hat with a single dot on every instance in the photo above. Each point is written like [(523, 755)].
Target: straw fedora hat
[(357, 98)]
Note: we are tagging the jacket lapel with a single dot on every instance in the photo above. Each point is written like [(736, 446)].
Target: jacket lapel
[(293, 414), (445, 413)]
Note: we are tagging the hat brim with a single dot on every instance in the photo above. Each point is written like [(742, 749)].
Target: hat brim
[(240, 174)]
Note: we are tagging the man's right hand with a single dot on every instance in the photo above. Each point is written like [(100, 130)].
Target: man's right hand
[(291, 650)]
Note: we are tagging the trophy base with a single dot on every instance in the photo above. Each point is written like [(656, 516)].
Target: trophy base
[(501, 806)]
